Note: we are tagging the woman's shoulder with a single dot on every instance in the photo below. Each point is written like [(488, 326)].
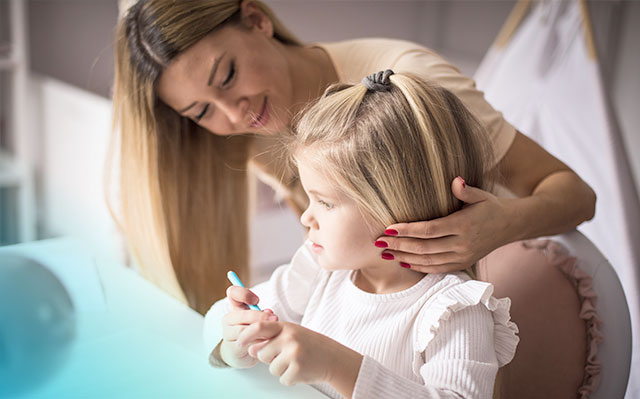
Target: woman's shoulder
[(356, 58), (372, 44)]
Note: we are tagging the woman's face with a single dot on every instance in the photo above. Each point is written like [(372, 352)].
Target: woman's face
[(235, 80)]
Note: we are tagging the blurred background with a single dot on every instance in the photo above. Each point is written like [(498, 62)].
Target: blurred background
[(56, 72)]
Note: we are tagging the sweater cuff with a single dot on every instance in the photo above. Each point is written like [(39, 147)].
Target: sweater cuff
[(376, 381), (215, 358)]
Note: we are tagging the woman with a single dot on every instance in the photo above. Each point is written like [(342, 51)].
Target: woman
[(185, 70)]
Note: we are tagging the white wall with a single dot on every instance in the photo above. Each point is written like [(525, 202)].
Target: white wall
[(73, 130)]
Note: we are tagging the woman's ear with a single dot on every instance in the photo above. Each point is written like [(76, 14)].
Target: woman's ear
[(254, 17)]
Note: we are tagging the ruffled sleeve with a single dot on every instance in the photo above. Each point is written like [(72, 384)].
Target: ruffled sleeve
[(462, 337)]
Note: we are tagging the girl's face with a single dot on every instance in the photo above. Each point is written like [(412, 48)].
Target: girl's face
[(234, 81), (342, 235)]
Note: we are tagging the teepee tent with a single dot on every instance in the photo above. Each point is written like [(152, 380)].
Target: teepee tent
[(543, 74)]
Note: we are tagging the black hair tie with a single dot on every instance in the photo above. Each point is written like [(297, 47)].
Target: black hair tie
[(378, 81)]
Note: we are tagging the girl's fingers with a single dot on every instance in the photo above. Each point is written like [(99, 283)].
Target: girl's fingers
[(278, 366), (267, 351), (259, 331), (256, 348), (239, 297), (418, 246), (246, 317), (231, 333), (271, 313), (290, 375)]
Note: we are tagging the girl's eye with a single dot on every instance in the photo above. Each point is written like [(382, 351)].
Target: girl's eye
[(325, 204), (232, 71), (201, 114)]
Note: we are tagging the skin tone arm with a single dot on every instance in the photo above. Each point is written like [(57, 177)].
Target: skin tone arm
[(552, 199)]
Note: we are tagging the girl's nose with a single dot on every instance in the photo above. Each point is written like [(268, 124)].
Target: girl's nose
[(308, 220)]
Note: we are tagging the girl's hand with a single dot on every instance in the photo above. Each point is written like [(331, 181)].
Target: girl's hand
[(454, 242), (297, 354), (234, 322)]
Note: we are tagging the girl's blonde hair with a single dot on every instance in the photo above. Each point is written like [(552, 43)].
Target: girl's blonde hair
[(183, 190), (394, 152)]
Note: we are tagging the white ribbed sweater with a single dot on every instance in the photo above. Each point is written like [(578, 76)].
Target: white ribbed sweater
[(444, 337)]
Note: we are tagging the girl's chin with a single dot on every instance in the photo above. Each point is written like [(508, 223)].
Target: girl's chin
[(330, 266)]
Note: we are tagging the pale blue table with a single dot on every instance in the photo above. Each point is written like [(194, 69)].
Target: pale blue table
[(135, 341)]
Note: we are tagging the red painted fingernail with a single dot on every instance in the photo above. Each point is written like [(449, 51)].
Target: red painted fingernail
[(463, 182), (391, 232), (387, 256), (381, 244), (405, 265)]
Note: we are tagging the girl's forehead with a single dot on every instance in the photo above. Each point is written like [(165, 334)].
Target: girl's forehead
[(312, 174)]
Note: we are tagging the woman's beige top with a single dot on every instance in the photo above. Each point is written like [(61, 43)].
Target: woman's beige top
[(354, 59)]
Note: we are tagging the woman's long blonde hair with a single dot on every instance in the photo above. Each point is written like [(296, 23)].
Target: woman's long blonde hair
[(394, 152), (183, 190)]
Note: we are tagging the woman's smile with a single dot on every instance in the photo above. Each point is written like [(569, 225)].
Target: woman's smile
[(262, 118)]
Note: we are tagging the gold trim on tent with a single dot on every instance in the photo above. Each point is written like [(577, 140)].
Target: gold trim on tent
[(521, 10), (588, 31)]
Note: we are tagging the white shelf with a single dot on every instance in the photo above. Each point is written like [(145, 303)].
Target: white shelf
[(17, 167), (11, 171)]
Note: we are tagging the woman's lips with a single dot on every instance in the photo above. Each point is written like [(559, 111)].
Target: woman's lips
[(263, 118), (316, 247)]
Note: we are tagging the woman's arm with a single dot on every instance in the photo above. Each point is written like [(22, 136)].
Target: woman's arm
[(552, 199)]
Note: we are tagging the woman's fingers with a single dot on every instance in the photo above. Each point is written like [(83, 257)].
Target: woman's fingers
[(434, 228), (426, 260), (446, 268), (417, 246)]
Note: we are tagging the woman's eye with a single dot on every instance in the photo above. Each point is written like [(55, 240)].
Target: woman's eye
[(232, 71), (201, 114)]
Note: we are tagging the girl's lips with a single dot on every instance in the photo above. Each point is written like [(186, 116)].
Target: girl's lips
[(316, 248), (263, 118)]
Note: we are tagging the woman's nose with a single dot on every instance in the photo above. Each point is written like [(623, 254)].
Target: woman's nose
[(236, 110)]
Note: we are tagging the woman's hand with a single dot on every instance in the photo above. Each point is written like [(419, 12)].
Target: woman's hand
[(453, 242), (297, 354), (236, 321)]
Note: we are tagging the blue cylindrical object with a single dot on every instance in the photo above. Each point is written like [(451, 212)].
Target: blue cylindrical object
[(37, 324)]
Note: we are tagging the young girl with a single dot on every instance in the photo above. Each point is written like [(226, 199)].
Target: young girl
[(371, 155)]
